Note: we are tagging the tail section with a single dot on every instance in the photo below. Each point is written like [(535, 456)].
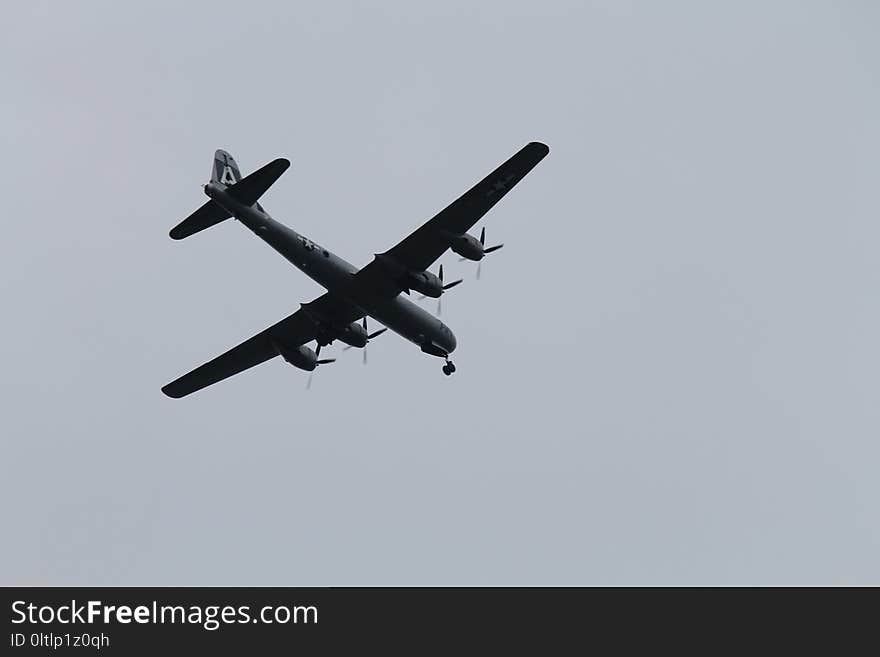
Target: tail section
[(245, 190), (206, 216), (254, 185), (225, 170)]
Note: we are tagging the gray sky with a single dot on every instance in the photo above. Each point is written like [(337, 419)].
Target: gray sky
[(669, 375)]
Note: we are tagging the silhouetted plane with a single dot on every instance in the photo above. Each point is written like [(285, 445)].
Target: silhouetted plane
[(353, 294)]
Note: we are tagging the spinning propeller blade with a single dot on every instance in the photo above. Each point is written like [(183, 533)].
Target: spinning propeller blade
[(443, 289), (321, 361), (486, 250), (370, 336)]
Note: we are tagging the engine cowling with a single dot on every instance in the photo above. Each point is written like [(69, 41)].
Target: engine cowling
[(425, 282), (302, 357), (355, 335), (468, 246)]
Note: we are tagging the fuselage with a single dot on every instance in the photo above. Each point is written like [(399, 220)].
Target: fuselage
[(335, 274)]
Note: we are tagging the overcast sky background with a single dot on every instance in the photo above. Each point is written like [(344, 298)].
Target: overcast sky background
[(668, 376)]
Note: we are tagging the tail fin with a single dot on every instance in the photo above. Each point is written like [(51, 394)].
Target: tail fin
[(251, 187), (246, 190), (225, 170), (254, 185)]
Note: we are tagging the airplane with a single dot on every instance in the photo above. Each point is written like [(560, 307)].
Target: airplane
[(377, 290)]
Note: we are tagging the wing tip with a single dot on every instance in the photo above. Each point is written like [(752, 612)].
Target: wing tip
[(539, 147), (170, 391)]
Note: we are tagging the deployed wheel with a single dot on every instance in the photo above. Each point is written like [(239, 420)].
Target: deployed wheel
[(446, 370)]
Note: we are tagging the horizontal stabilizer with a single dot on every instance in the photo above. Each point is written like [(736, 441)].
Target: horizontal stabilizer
[(250, 188), (205, 217)]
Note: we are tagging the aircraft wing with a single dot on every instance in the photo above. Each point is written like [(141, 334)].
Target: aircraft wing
[(293, 331), (422, 248)]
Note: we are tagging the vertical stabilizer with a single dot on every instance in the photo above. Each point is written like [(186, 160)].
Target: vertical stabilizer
[(225, 169)]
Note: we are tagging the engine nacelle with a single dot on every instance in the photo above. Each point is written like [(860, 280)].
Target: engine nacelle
[(468, 246), (354, 334), (425, 282), (302, 357)]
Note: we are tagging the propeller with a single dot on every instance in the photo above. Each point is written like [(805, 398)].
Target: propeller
[(370, 336), (322, 361), (486, 251), (448, 285), (443, 288), (325, 360)]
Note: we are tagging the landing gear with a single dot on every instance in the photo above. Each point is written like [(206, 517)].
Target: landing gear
[(449, 368)]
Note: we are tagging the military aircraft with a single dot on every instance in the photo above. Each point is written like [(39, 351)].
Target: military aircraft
[(377, 290)]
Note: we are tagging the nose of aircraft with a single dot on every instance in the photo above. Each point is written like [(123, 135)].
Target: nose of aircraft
[(451, 344)]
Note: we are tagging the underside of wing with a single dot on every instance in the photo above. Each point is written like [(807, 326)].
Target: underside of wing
[(249, 353), (292, 331), (422, 248)]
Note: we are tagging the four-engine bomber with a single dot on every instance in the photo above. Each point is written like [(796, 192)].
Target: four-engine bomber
[(378, 290)]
